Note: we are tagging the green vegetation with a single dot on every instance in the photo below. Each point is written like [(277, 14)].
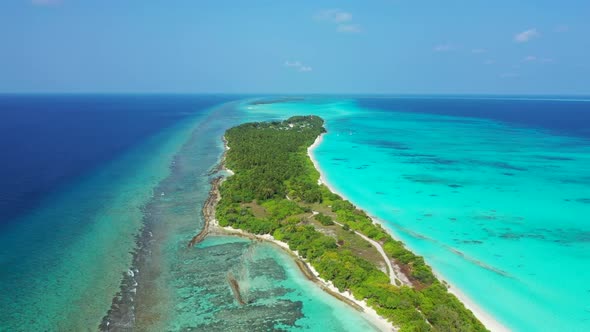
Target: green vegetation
[(324, 219), (274, 173)]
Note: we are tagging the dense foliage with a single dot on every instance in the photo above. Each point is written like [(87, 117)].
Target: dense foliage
[(324, 219), (273, 171)]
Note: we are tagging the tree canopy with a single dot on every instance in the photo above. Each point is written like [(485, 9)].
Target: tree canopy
[(273, 171)]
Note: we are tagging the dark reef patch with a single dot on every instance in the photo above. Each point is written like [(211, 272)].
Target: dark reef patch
[(480, 263), (454, 251), (559, 235), (386, 144), (254, 317), (266, 310), (414, 155), (584, 180), (497, 164), (430, 161), (516, 236), (425, 179), (267, 266), (485, 217), (470, 241), (556, 158)]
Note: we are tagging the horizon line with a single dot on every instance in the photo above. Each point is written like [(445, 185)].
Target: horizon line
[(262, 94)]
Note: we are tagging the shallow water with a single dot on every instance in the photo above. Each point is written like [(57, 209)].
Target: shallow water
[(498, 207), (62, 262), (120, 230), (279, 297), (182, 288)]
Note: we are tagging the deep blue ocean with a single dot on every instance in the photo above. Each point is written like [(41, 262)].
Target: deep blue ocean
[(48, 141), (76, 172), (562, 115)]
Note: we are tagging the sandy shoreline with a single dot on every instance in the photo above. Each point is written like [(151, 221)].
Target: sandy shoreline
[(213, 226), (487, 320), (368, 313)]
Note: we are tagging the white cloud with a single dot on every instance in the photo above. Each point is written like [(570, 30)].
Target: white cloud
[(349, 28), (478, 50), (489, 62), (443, 48), (45, 2), (292, 64), (298, 65), (526, 36), (532, 58), (341, 19), (529, 58), (334, 16)]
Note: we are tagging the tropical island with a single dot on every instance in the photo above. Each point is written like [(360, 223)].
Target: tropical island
[(275, 193)]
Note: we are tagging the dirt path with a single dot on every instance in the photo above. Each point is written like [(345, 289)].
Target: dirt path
[(394, 272)]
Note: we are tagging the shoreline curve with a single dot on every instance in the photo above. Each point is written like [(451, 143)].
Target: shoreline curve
[(486, 319), (212, 227)]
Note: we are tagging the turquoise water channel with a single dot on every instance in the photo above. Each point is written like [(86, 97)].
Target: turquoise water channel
[(500, 210)]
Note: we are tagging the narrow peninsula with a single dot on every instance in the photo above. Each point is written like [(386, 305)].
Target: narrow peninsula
[(275, 193)]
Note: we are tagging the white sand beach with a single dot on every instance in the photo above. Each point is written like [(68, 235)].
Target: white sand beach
[(369, 313)]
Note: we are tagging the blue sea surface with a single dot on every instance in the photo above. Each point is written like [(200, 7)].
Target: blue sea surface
[(48, 141), (76, 172), (567, 116), (493, 192), (101, 195)]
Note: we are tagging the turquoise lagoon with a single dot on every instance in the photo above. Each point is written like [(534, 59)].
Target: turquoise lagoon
[(498, 208)]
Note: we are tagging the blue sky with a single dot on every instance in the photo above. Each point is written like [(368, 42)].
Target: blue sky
[(280, 46)]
